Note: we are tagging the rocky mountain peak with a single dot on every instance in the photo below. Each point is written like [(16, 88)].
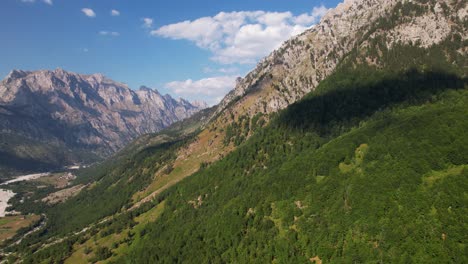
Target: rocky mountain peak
[(298, 66), (97, 77), (16, 74), (182, 101), (200, 104), (84, 111), (60, 71), (146, 89)]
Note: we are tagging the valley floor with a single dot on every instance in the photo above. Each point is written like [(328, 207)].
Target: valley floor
[(6, 195)]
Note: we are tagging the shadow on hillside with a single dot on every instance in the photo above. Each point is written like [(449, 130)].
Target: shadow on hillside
[(347, 105), (11, 161)]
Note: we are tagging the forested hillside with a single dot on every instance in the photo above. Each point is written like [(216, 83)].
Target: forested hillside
[(371, 166)]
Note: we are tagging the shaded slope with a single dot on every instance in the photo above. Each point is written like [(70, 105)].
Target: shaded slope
[(289, 195)]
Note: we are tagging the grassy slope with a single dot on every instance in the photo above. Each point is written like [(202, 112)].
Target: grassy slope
[(118, 179), (11, 224)]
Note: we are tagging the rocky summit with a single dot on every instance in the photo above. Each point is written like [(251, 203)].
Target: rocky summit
[(80, 112), (301, 63)]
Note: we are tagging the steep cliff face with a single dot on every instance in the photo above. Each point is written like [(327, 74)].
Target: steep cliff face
[(83, 112), (301, 63)]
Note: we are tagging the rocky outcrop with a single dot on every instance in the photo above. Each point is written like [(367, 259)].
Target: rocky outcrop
[(301, 63), (89, 112)]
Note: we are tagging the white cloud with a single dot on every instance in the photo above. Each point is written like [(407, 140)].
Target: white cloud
[(109, 33), (229, 70), (88, 12), (115, 12), (241, 37), (147, 22), (319, 12), (213, 87), (314, 16), (49, 2)]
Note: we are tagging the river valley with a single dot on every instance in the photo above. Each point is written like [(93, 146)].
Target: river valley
[(6, 195)]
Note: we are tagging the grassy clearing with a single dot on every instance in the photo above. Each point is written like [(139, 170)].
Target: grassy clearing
[(436, 176), (356, 162), (207, 148), (11, 224), (83, 253), (59, 180)]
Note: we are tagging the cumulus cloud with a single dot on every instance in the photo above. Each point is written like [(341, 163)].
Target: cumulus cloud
[(49, 2), (115, 12), (313, 17), (213, 87), (229, 70), (147, 22), (241, 37), (88, 12), (109, 33)]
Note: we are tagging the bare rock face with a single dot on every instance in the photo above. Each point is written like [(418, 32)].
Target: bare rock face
[(200, 104), (89, 112), (301, 63)]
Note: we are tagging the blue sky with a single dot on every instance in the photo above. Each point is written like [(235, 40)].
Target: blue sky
[(188, 48)]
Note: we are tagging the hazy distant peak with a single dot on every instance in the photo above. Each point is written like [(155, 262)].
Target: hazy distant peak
[(93, 110), (16, 74), (60, 71), (145, 89), (149, 90), (199, 104), (182, 100)]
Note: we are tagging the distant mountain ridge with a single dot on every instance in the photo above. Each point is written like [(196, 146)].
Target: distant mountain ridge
[(81, 112)]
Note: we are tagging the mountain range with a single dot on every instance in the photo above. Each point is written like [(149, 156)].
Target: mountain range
[(56, 118), (346, 145)]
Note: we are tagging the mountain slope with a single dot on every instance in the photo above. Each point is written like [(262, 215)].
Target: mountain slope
[(368, 194), (351, 173), (304, 61), (344, 186), (69, 113)]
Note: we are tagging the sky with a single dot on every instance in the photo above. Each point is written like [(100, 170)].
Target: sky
[(193, 49)]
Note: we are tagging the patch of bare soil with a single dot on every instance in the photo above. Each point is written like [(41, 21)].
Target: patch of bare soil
[(63, 195), (316, 260)]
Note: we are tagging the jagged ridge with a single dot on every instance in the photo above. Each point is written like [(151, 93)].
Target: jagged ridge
[(88, 112)]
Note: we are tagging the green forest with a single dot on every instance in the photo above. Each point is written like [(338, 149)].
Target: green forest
[(370, 167)]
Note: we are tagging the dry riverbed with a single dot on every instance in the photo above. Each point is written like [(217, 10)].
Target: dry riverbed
[(6, 195)]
